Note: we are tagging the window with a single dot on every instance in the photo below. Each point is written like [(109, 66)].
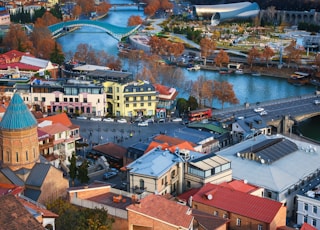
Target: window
[(127, 105), (306, 207), (141, 104), (57, 99), (8, 156), (35, 98), (117, 89), (17, 156), (188, 184), (65, 99), (162, 181), (216, 213), (225, 215), (149, 104), (71, 99), (149, 98), (141, 184), (141, 98), (76, 100), (238, 223), (118, 98), (134, 104), (27, 157), (305, 219), (315, 209), (314, 222), (85, 100), (134, 98), (34, 153), (127, 99)]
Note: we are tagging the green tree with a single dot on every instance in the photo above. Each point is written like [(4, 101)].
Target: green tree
[(192, 103), (182, 106), (83, 172), (57, 55), (73, 168)]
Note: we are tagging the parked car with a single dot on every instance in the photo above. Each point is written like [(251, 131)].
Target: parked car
[(143, 123), (264, 113), (316, 102), (258, 110), (96, 119), (82, 118), (109, 175), (177, 119), (138, 119), (122, 120), (161, 120), (108, 119)]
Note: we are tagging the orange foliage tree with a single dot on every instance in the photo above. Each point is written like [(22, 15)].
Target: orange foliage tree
[(134, 20), (17, 39), (267, 53), (103, 8), (87, 6), (253, 55), (76, 11), (223, 91), (293, 53), (162, 46), (207, 47), (48, 19), (221, 58)]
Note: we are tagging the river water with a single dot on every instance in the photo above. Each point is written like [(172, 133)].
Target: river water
[(246, 87)]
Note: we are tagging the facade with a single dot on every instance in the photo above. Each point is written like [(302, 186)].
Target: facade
[(156, 212), (244, 211), (223, 12), (167, 99), (72, 96), (273, 159), (4, 16), (308, 205)]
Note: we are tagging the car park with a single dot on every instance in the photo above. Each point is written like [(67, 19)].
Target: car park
[(95, 119), (122, 120), (143, 123), (258, 110), (108, 119), (109, 175)]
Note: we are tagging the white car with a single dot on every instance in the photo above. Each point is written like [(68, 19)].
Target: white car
[(316, 102), (264, 113), (108, 119), (96, 119), (258, 110), (177, 119), (143, 123), (82, 118), (122, 120)]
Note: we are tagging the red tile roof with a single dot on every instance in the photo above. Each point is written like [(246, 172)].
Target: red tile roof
[(166, 93), (61, 118), (240, 185), (159, 208), (44, 212), (111, 149), (307, 226), (54, 128), (21, 66), (10, 189), (237, 202)]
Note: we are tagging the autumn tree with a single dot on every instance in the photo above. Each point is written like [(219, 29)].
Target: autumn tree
[(223, 91), (103, 8), (174, 77), (294, 54), (17, 39), (87, 6), (146, 75), (135, 58), (207, 47), (253, 55), (163, 47), (76, 11), (267, 53), (134, 20), (221, 58), (114, 63), (47, 19), (202, 90)]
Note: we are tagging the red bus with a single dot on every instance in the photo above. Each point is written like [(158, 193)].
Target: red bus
[(200, 114)]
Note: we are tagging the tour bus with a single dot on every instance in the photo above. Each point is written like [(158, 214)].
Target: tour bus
[(199, 114)]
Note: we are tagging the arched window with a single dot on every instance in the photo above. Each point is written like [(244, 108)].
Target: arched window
[(141, 184)]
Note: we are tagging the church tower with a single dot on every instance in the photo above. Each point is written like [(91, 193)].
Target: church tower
[(19, 146)]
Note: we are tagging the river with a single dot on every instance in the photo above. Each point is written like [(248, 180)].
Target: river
[(247, 88)]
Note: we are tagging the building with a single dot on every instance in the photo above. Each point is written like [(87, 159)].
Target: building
[(156, 212), (4, 16), (281, 165), (244, 211), (21, 160), (223, 12), (167, 100)]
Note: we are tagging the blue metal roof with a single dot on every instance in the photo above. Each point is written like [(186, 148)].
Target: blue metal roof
[(17, 115), (14, 179), (38, 174), (33, 194)]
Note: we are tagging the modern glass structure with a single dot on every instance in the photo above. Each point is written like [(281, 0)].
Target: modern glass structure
[(223, 12)]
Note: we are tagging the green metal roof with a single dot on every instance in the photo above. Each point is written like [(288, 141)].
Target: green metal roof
[(17, 115)]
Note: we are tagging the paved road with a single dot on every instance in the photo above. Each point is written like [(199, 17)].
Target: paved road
[(290, 106)]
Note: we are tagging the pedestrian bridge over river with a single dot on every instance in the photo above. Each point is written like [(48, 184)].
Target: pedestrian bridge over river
[(115, 31)]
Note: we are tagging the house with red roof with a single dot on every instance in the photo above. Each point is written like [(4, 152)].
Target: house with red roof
[(167, 99), (243, 210), (156, 212)]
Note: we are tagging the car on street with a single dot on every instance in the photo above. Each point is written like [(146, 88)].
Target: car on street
[(108, 119), (109, 175), (258, 110), (122, 120), (82, 118), (143, 123), (264, 113), (95, 119), (161, 120), (316, 102), (177, 119), (150, 120)]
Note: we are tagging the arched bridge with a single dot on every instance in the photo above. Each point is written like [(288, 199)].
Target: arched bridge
[(115, 31)]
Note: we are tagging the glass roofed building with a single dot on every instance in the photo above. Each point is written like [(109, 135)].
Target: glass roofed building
[(223, 12)]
